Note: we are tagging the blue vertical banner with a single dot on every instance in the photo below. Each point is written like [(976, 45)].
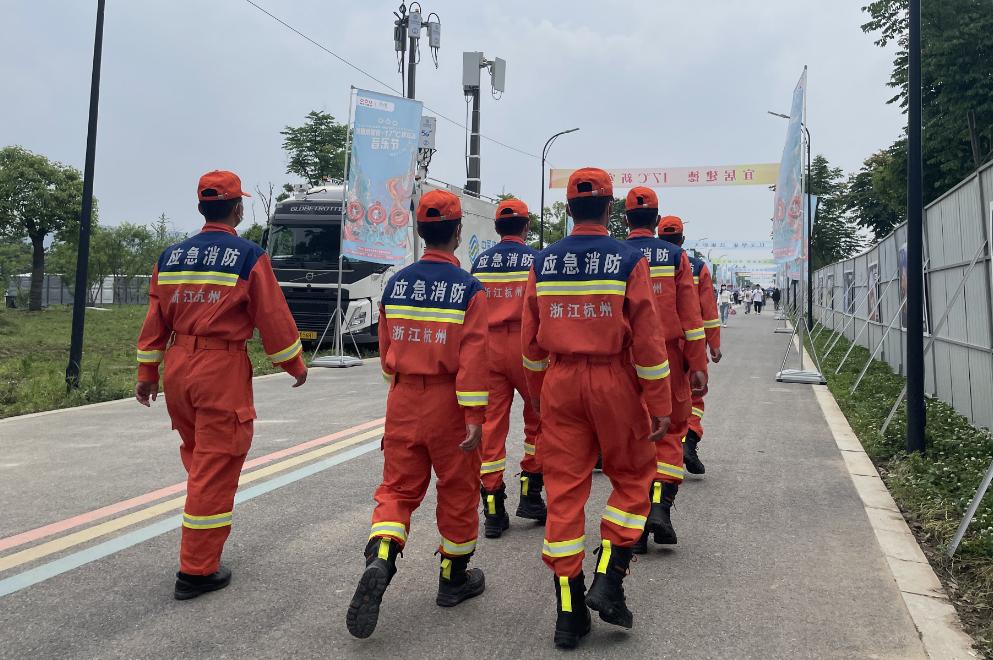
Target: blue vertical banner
[(788, 216), (381, 170)]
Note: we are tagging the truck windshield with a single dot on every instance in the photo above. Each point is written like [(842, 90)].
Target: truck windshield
[(310, 245)]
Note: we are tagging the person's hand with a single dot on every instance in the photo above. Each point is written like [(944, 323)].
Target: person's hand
[(145, 391), (715, 354), (301, 379), (698, 382), (659, 426), (473, 435)]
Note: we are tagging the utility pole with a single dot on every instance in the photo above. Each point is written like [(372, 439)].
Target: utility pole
[(83, 253), (472, 64), (916, 411)]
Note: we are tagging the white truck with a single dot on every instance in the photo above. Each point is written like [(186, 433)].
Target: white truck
[(303, 239)]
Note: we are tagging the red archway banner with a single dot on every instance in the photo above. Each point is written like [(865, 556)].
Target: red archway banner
[(760, 174)]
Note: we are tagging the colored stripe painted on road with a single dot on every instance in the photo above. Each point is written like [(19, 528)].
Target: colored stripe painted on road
[(62, 565), (90, 533), (104, 512)]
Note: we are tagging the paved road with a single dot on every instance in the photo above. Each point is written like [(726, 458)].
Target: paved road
[(776, 556)]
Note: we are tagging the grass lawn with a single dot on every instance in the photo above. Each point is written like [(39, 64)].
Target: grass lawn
[(934, 489), (34, 350)]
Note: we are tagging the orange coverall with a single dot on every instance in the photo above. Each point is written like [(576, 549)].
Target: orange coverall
[(596, 358), (678, 308), (207, 295), (712, 327), (503, 271), (432, 347)]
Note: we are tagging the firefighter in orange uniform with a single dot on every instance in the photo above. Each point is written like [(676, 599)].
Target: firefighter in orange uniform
[(672, 230), (503, 270), (678, 307), (597, 364), (432, 347), (207, 296)]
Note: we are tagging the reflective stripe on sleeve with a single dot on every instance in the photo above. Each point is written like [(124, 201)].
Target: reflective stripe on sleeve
[(528, 449), (657, 372), (207, 522), (472, 398), (535, 365), (712, 323), (457, 549), (623, 518), (670, 470), (395, 529), (493, 466), (581, 288), (150, 357), (388, 377), (695, 334), (287, 353), (436, 314), (564, 548)]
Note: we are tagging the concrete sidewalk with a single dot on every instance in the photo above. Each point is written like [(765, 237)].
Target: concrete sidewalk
[(777, 558)]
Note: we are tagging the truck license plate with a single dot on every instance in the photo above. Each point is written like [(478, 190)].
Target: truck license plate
[(308, 334)]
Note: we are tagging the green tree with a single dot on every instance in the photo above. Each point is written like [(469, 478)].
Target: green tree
[(15, 258), (876, 197), (254, 233), (835, 235), (316, 150), (957, 80), (617, 224), (38, 198), (555, 216)]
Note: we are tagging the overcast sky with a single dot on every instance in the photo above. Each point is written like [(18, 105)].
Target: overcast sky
[(190, 86)]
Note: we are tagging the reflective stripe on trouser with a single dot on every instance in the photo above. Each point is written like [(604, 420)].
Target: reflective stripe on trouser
[(571, 435), (414, 443), (696, 421), (669, 450), (210, 403), (506, 377)]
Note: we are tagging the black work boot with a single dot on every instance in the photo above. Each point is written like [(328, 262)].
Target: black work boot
[(572, 621), (598, 466), (457, 582), (690, 458), (380, 567), (496, 521), (640, 546), (659, 519), (606, 594), (190, 586), (531, 505)]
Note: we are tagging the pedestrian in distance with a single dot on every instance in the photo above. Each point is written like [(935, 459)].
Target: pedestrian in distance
[(677, 304), (776, 295), (671, 229), (433, 352), (724, 304), (758, 298), (207, 296), (598, 374), (503, 271), (747, 300)]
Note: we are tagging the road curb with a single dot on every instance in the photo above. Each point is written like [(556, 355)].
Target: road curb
[(933, 614)]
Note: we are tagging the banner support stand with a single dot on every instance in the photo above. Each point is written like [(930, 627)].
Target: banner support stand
[(339, 360)]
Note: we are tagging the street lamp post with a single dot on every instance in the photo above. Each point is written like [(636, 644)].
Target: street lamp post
[(544, 155)]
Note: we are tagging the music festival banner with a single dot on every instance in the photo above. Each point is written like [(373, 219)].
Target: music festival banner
[(385, 134), (788, 214)]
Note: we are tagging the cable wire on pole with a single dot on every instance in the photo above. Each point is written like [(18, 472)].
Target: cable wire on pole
[(377, 80)]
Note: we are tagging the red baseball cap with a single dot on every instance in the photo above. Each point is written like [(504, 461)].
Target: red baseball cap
[(439, 205), (670, 224), (219, 184), (589, 182), (641, 198), (511, 208)]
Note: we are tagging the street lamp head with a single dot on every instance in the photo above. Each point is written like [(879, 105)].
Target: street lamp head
[(778, 114)]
